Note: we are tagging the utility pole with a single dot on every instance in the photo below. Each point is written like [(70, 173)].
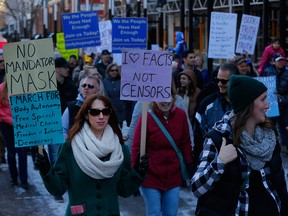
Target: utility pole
[(209, 11), (182, 16), (190, 7)]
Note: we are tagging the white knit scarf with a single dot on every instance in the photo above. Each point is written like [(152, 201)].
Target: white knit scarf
[(88, 151)]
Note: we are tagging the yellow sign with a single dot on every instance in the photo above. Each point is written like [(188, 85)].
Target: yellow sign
[(30, 66), (61, 47)]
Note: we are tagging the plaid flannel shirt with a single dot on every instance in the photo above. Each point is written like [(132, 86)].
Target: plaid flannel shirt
[(211, 168)]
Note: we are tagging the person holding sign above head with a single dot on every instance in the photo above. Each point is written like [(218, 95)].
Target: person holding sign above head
[(6, 127), (241, 169), (94, 164), (161, 186), (242, 63)]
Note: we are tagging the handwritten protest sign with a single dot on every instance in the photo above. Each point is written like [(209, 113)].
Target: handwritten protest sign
[(129, 33), (30, 66), (270, 83), (248, 34), (34, 99), (105, 28), (37, 119), (61, 47), (81, 29), (106, 35), (222, 36), (146, 75)]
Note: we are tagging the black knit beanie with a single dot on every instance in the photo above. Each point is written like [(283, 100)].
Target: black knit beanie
[(243, 90)]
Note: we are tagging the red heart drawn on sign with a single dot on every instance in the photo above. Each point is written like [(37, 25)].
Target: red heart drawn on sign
[(134, 57)]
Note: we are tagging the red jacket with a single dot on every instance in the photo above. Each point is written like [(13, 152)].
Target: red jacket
[(5, 112), (164, 166), (267, 55)]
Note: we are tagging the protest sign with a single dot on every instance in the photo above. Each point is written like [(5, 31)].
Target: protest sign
[(270, 83), (34, 99), (146, 75), (37, 119), (105, 35), (30, 66), (61, 47), (222, 36), (81, 29), (248, 34), (129, 33)]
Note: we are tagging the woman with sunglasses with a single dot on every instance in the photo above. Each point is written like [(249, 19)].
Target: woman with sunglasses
[(112, 84), (94, 164), (241, 169)]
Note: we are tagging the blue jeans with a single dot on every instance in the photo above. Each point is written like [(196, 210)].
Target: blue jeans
[(8, 135), (161, 203)]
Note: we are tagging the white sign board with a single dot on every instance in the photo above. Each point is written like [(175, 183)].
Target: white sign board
[(248, 34), (222, 37), (146, 75)]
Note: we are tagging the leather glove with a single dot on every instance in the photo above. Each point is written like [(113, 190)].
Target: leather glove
[(141, 164), (42, 162), (191, 168)]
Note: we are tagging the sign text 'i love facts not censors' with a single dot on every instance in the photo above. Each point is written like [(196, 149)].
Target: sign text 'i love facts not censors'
[(146, 75)]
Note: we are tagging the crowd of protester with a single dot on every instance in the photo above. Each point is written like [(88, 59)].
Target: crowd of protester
[(216, 123)]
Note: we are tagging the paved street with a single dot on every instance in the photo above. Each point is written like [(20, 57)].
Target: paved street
[(15, 201)]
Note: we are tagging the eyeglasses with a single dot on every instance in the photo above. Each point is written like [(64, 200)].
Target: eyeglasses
[(116, 70), (87, 85), (223, 81), (96, 112), (1, 61)]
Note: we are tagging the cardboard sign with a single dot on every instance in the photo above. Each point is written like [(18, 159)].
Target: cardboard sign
[(270, 83), (222, 36), (61, 47), (248, 34), (81, 29), (146, 75), (30, 66), (37, 119)]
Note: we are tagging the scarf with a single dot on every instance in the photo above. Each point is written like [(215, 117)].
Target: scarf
[(260, 149), (88, 151)]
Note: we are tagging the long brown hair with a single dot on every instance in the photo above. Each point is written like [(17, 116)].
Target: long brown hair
[(83, 112), (191, 88), (240, 120)]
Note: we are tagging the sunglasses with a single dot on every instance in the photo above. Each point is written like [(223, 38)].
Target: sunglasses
[(96, 112), (1, 61), (223, 81), (116, 70), (87, 85)]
